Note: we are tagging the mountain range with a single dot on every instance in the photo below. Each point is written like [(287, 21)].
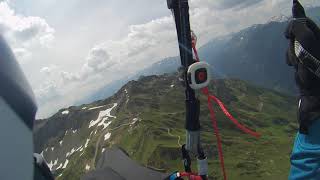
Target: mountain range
[(145, 119), (140, 119), (255, 54)]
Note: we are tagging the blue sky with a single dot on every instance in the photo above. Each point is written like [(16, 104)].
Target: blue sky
[(68, 49)]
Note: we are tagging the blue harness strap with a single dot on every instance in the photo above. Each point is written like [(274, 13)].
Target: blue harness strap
[(305, 157)]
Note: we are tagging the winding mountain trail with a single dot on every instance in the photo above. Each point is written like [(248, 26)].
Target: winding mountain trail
[(179, 138), (103, 134), (96, 149), (172, 135)]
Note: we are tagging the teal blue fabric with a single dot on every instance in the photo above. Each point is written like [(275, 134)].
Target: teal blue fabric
[(305, 157)]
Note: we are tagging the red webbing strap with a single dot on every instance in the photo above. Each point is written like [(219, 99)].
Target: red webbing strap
[(191, 176), (217, 134), (240, 126)]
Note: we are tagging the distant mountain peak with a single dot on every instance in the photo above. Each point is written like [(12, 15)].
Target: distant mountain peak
[(279, 18)]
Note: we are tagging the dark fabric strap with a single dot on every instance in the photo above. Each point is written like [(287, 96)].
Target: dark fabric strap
[(308, 112), (307, 59)]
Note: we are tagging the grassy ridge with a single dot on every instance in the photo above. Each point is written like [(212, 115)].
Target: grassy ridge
[(268, 112), (153, 140)]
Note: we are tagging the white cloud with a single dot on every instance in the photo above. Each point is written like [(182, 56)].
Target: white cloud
[(47, 92), (22, 53), (48, 70), (146, 36), (68, 77), (22, 32), (98, 59), (225, 4), (147, 43)]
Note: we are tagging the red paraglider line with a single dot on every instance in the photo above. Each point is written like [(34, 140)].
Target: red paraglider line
[(206, 92)]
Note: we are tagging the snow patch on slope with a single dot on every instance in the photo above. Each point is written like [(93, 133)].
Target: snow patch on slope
[(128, 97), (107, 136), (87, 167), (87, 142), (134, 120), (55, 162), (97, 107), (65, 164), (71, 152), (281, 18), (79, 148), (50, 165), (65, 112), (59, 167), (103, 117), (104, 124)]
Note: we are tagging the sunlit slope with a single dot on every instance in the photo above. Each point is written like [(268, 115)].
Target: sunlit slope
[(146, 119)]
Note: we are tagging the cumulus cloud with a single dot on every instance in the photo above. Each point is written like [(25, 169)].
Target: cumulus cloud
[(48, 70), (50, 84), (23, 32), (23, 29), (225, 4), (68, 77), (152, 41), (22, 53), (144, 44), (98, 59), (47, 92)]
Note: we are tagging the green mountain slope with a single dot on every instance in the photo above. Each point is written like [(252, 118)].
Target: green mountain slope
[(146, 119)]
